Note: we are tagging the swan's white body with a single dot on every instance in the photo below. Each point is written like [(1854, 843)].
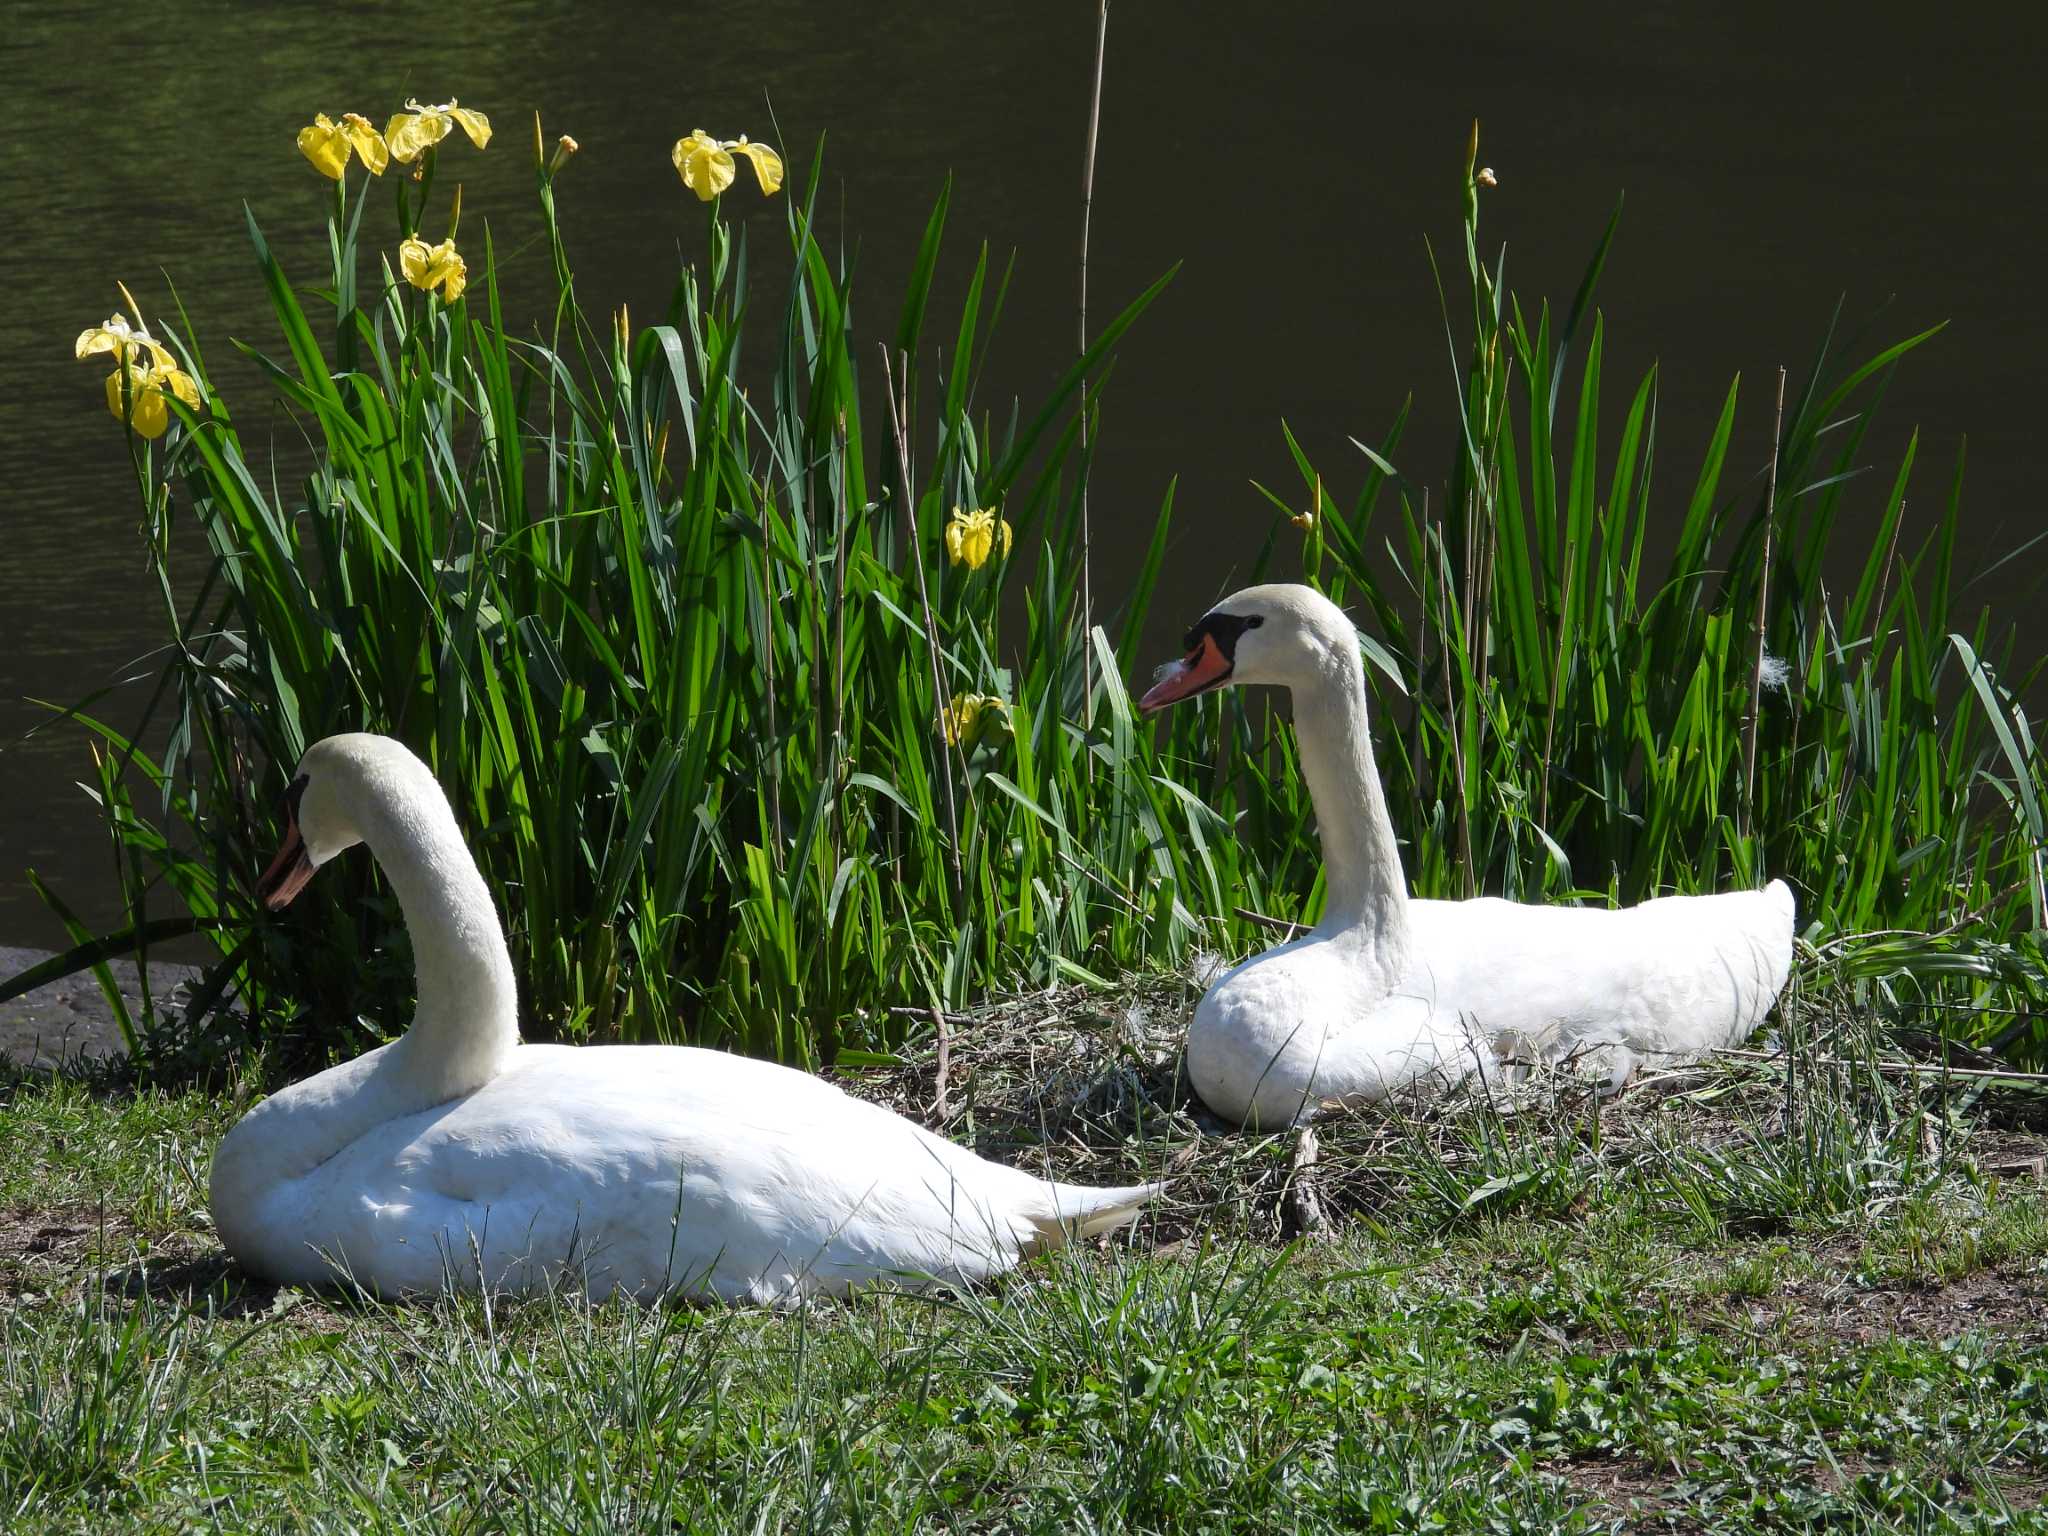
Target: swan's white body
[(1385, 991), (457, 1155)]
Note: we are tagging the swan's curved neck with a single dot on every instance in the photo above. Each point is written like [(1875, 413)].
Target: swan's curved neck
[(1366, 894), (463, 1033), (467, 1021)]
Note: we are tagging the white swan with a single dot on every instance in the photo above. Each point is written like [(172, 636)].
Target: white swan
[(1386, 991), (457, 1155)]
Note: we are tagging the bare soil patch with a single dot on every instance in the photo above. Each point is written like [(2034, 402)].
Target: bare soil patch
[(45, 1249), (1623, 1489), (2008, 1300)]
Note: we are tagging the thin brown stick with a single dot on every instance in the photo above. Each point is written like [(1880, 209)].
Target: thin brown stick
[(1279, 925), (1087, 571), (839, 608), (1482, 608), (834, 749), (924, 1011), (1564, 629), (1491, 550), (945, 1063), (1884, 582), (1456, 721), (1421, 657), (1472, 536), (768, 679), (1763, 618), (900, 433)]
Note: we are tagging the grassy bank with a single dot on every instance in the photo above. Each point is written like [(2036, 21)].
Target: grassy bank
[(750, 646), (1677, 1311)]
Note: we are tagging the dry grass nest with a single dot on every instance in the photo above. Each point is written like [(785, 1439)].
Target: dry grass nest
[(1088, 1086)]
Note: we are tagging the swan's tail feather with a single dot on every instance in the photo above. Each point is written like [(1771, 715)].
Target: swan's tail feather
[(1772, 945), (1780, 895), (1069, 1211)]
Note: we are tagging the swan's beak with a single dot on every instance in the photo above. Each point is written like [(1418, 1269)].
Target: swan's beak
[(1203, 668), (288, 872)]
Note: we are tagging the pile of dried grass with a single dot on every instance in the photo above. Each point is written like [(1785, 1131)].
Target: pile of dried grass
[(1088, 1086)]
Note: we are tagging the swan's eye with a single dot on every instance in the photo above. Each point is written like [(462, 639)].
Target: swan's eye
[(1222, 630)]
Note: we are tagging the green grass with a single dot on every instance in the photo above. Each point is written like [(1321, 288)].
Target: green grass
[(668, 608), (1601, 1363)]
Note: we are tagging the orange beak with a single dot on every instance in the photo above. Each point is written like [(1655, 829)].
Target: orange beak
[(1203, 668), (288, 872)]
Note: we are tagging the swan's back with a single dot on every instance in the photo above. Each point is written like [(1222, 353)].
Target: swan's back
[(662, 1169), (1489, 981), (1671, 978)]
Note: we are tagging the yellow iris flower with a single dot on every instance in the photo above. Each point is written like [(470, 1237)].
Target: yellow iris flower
[(116, 337), (972, 536), (420, 128), (144, 406), (434, 266), (707, 167), (970, 715), (144, 369), (328, 144)]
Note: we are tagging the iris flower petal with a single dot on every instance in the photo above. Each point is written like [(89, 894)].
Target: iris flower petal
[(767, 164), (418, 128), (434, 266), (958, 721), (971, 537), (972, 718), (475, 124), (116, 337), (400, 138), (145, 408), (453, 274), (408, 133), (717, 170), (707, 166), (702, 162), (366, 141), (695, 142), (412, 261), (325, 146), (111, 337)]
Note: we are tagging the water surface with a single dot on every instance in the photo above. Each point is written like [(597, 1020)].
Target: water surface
[(1773, 160)]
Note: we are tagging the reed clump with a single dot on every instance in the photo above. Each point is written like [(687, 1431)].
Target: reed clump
[(750, 649)]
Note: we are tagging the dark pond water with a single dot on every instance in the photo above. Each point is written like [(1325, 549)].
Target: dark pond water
[(1774, 158)]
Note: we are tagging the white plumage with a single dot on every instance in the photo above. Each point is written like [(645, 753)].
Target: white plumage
[(458, 1155), (1385, 991)]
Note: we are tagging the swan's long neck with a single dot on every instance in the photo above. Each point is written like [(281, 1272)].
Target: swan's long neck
[(1366, 894), (467, 1023), (463, 1033)]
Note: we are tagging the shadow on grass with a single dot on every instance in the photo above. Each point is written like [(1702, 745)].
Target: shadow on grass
[(208, 1284)]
